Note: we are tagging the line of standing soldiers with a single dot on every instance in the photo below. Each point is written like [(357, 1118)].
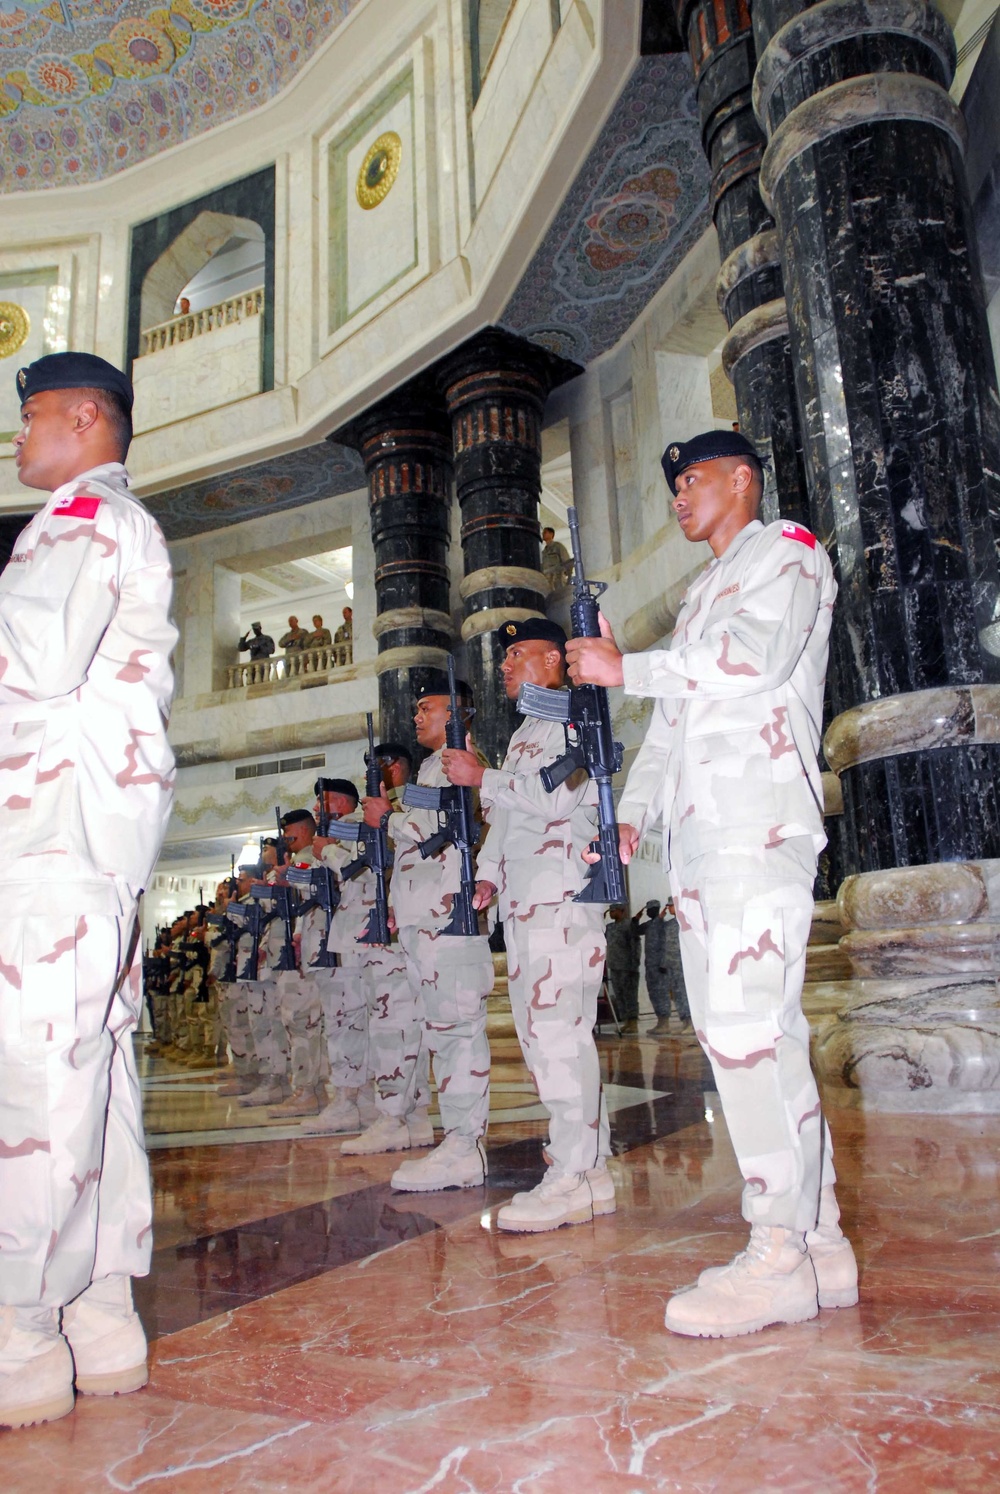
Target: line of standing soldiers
[(335, 977)]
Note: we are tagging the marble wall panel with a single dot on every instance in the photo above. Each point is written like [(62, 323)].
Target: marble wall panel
[(217, 368), (55, 284), (518, 59)]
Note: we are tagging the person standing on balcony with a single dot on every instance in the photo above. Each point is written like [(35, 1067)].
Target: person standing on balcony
[(85, 692), (320, 637), (295, 638), (259, 643), (345, 633), (556, 564)]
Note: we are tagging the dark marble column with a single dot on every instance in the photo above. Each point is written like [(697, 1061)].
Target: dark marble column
[(405, 442), (756, 355), (496, 386), (897, 395)]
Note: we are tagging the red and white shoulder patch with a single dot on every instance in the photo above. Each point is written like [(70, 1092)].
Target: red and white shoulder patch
[(790, 531), (76, 508)]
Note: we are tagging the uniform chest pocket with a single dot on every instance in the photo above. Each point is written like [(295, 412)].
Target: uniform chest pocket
[(727, 778)]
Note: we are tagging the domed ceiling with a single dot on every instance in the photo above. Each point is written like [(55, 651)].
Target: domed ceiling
[(87, 89)]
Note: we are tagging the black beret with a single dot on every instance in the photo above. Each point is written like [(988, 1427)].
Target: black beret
[(436, 683), (523, 630), (391, 750), (73, 371), (680, 455), (336, 786), (295, 817)]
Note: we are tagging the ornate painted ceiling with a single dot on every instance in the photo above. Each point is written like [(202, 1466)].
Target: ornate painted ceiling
[(89, 87), (636, 207)]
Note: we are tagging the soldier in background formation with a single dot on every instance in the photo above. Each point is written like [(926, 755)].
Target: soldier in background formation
[(532, 861), (623, 967), (664, 975), (449, 975)]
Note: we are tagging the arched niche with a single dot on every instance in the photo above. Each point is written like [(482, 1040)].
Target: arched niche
[(189, 252), (249, 200)]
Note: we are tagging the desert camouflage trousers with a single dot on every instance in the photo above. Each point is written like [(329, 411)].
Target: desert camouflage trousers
[(235, 1015), (270, 1041), (744, 919), (451, 978), (74, 1182), (345, 1020), (555, 961), (397, 1054), (301, 1014)]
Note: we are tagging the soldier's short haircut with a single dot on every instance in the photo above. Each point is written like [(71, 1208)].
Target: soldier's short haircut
[(394, 749), (118, 418), (297, 817)]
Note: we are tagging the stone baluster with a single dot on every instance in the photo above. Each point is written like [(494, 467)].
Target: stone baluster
[(496, 386), (896, 390), (405, 444)]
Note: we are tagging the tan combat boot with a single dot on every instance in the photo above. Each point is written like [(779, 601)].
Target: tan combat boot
[(36, 1367), (771, 1281), (832, 1255), (107, 1338)]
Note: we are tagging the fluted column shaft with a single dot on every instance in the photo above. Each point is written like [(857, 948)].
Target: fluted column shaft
[(756, 356), (405, 443), (495, 387), (897, 393)]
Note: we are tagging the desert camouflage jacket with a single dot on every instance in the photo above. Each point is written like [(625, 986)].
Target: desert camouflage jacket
[(86, 773), (730, 756), (533, 851)]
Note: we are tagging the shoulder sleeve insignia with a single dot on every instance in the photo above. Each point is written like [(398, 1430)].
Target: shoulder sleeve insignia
[(792, 531), (76, 508)]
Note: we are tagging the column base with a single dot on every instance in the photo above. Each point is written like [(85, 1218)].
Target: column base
[(914, 1024)]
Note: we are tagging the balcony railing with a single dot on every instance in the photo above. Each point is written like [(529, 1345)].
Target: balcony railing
[(200, 323), (291, 666)]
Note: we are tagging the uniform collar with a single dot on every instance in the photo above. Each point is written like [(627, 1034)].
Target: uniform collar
[(112, 474), (739, 540)]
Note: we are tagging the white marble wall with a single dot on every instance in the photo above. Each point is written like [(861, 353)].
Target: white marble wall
[(216, 368)]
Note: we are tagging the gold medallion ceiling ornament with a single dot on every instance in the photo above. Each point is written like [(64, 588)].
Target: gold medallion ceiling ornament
[(15, 325), (379, 170)]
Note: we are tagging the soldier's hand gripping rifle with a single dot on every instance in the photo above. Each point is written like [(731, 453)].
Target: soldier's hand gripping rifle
[(230, 932), (254, 921), (459, 828), (323, 893), (373, 850), (585, 709)]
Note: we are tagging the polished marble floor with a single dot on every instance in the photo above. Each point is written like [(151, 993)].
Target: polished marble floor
[(314, 1331)]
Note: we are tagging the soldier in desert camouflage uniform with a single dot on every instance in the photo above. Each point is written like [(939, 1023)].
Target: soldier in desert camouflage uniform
[(532, 860), (341, 990), (730, 766), (235, 1023), (450, 976), (85, 690), (270, 1040), (299, 1004)]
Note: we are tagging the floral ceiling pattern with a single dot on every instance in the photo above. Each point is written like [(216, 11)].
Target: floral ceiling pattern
[(87, 89), (637, 206)]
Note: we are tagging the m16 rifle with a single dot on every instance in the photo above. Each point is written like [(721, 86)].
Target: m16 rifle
[(373, 850), (459, 828), (585, 709), (254, 921), (229, 932), (324, 894)]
